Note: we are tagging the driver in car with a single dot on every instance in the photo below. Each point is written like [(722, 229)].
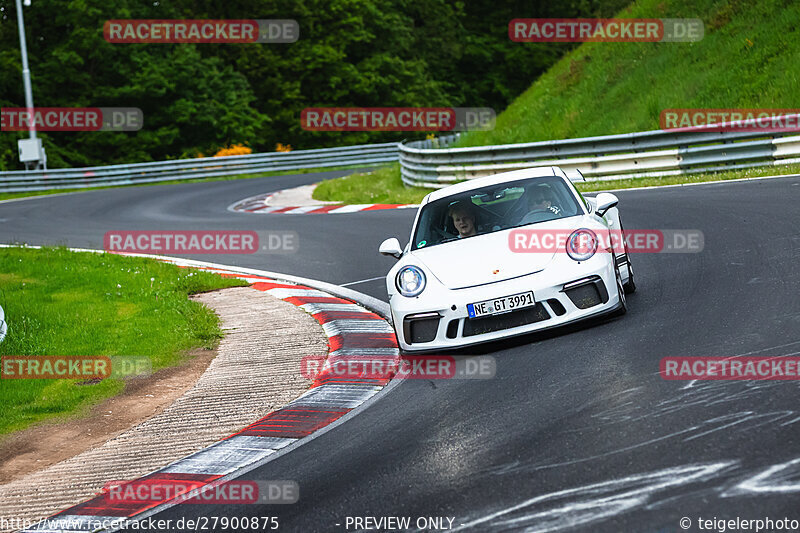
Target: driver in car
[(541, 204), (463, 215)]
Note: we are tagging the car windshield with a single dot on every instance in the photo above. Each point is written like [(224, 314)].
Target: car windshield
[(495, 208)]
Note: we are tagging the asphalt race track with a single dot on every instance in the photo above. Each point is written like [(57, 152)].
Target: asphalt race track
[(577, 431)]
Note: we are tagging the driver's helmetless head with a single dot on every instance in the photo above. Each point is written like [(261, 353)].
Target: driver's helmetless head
[(463, 219), (539, 198)]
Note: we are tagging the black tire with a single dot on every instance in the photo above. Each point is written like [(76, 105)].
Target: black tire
[(630, 286), (623, 307)]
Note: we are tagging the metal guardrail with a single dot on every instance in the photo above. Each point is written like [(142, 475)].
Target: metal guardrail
[(79, 178), (433, 164)]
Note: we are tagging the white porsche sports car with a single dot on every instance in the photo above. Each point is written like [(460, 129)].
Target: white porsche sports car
[(505, 255)]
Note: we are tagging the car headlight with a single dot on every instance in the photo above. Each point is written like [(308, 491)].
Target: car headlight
[(582, 244), (410, 281)]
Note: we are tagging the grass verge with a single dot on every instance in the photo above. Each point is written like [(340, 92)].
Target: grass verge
[(745, 60), (380, 186), (385, 186), (59, 302)]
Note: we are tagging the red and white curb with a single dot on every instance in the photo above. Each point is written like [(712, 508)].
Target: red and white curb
[(260, 205), (353, 332)]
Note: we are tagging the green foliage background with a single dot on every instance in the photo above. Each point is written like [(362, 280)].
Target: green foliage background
[(747, 59), (198, 98)]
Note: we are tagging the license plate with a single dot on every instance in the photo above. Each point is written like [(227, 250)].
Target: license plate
[(501, 305)]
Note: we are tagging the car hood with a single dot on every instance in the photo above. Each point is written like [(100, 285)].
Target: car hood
[(478, 260)]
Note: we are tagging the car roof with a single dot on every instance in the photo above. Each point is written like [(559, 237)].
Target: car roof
[(495, 179)]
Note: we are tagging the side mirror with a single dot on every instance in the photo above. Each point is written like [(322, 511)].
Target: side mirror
[(391, 247), (605, 201)]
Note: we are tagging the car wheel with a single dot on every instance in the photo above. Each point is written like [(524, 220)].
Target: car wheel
[(623, 301), (630, 286)]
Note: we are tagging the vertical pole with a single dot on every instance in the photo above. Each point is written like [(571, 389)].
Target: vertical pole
[(26, 72), (26, 75)]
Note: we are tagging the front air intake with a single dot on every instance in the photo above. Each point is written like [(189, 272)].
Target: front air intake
[(587, 292), (420, 328), (521, 317)]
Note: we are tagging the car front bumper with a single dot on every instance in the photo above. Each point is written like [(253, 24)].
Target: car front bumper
[(438, 318)]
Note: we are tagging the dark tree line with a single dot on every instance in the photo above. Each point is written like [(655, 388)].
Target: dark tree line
[(201, 97)]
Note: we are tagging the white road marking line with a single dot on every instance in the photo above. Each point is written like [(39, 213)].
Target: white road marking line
[(302, 209), (344, 396), (339, 327), (363, 352), (350, 208), (361, 281), (228, 455), (317, 308), (281, 293)]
